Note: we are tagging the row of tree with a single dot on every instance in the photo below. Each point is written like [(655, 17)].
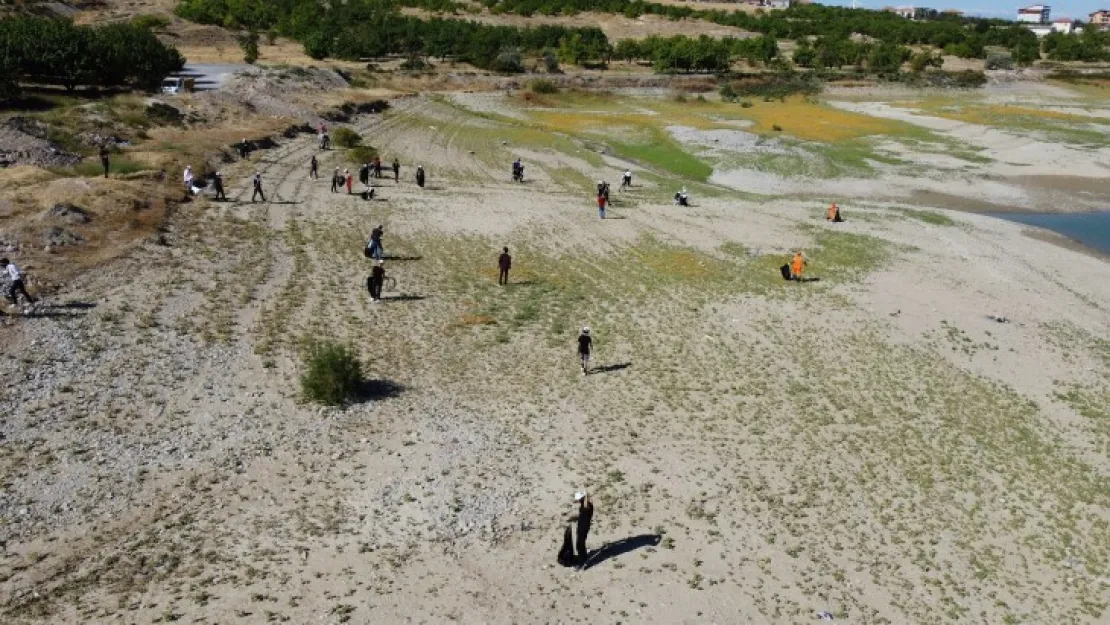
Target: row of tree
[(1091, 45), (371, 28), (57, 52), (806, 21), (703, 54)]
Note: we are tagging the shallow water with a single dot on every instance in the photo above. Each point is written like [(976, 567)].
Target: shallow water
[(1090, 229)]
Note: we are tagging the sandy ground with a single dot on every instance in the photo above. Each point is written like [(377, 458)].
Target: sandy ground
[(873, 444)]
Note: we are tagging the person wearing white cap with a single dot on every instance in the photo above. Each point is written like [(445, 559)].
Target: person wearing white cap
[(585, 343), (585, 518), (257, 180), (218, 185)]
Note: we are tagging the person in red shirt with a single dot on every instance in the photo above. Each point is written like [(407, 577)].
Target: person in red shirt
[(350, 179), (601, 205)]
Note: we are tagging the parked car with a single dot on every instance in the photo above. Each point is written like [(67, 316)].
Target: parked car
[(177, 84)]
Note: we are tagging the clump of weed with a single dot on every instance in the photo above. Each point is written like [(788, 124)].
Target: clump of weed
[(543, 86), (333, 374), (346, 138), (362, 154)]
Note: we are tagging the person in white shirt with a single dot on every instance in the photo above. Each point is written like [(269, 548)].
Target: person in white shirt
[(626, 180), (188, 180), (16, 287)]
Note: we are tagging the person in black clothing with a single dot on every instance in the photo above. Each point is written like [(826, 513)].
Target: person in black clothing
[(504, 264), (335, 181), (375, 281), (566, 552), (244, 149), (374, 246), (104, 159), (313, 168), (218, 184), (585, 343), (585, 518), (258, 187), (396, 170), (420, 176), (364, 173)]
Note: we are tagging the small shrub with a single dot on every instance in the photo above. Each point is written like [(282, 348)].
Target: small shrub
[(997, 60), (551, 62), (415, 64), (679, 97), (746, 104), (728, 92), (362, 154), (249, 44), (543, 86), (151, 22), (508, 61), (346, 138), (333, 374), (776, 128)]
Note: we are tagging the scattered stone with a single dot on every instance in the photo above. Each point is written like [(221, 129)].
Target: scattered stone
[(69, 213), (60, 237)]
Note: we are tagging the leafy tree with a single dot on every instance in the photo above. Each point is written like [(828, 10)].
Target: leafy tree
[(249, 44), (508, 61)]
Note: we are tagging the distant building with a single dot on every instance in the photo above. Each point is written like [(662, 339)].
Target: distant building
[(1065, 25), (906, 12), (956, 12), (1036, 14), (1101, 18)]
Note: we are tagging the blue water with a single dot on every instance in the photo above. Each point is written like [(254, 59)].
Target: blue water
[(1090, 229)]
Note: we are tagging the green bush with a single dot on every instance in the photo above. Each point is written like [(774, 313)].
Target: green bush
[(346, 138), (332, 376), (551, 62), (543, 86), (508, 61), (151, 22), (728, 92), (362, 154), (999, 61), (249, 44)]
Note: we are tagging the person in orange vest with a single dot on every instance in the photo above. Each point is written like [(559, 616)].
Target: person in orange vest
[(834, 213), (798, 266)]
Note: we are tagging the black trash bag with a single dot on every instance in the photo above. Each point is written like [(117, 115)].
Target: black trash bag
[(566, 552), (786, 273)]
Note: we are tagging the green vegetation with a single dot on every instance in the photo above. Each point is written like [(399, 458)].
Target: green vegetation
[(703, 54), (1092, 45), (346, 138), (151, 21), (543, 86), (362, 154), (57, 52), (959, 36), (929, 217), (116, 164), (333, 374), (372, 28)]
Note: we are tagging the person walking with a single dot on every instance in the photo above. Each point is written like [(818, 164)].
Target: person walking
[(188, 177), (396, 170), (257, 181), (585, 345), (314, 168), (504, 264), (104, 159), (376, 280), (582, 531), (626, 180), (244, 149), (374, 247), (420, 176), (364, 174), (218, 184), (601, 205), (335, 181), (349, 179), (16, 287)]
